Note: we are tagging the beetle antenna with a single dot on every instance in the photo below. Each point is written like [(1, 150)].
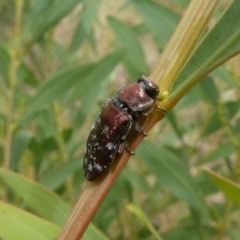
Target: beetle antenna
[(164, 110)]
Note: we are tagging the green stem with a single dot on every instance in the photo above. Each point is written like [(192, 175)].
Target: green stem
[(60, 140), (15, 56)]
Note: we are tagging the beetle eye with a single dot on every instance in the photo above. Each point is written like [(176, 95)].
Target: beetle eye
[(149, 87)]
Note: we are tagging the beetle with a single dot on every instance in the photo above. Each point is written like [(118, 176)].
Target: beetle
[(109, 133)]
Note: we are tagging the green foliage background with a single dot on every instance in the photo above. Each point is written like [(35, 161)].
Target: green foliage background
[(57, 67)]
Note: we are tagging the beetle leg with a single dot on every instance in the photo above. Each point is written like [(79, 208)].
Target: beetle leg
[(124, 145), (152, 109), (128, 149), (140, 129), (164, 110)]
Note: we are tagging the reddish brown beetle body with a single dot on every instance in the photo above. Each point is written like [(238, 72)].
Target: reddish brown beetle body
[(111, 128), (107, 133)]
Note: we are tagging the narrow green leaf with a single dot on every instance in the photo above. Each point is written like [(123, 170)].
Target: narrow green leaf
[(191, 99), (21, 225), (136, 180), (183, 3), (79, 78), (183, 232), (142, 216), (19, 144), (231, 189), (57, 177), (44, 202), (27, 76), (172, 119), (205, 184), (229, 110), (93, 232), (85, 24), (232, 108), (173, 174), (90, 99), (33, 13), (48, 16), (158, 18), (224, 74), (222, 151), (210, 91), (214, 124), (94, 85), (97, 74), (46, 124), (135, 59), (57, 86), (141, 29), (222, 42), (28, 226)]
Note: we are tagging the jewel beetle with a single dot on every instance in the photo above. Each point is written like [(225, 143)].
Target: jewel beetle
[(118, 115)]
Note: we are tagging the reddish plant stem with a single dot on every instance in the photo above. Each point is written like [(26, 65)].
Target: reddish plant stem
[(95, 192)]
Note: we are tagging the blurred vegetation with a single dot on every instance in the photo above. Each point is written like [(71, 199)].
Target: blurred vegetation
[(59, 61)]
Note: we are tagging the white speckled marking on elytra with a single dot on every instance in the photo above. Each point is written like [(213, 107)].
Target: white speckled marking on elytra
[(109, 146), (93, 126), (98, 167), (90, 167), (105, 129), (94, 136)]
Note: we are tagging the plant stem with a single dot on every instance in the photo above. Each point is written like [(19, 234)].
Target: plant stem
[(182, 43), (15, 56), (95, 192)]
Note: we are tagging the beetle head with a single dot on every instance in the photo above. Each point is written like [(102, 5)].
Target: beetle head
[(149, 86)]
